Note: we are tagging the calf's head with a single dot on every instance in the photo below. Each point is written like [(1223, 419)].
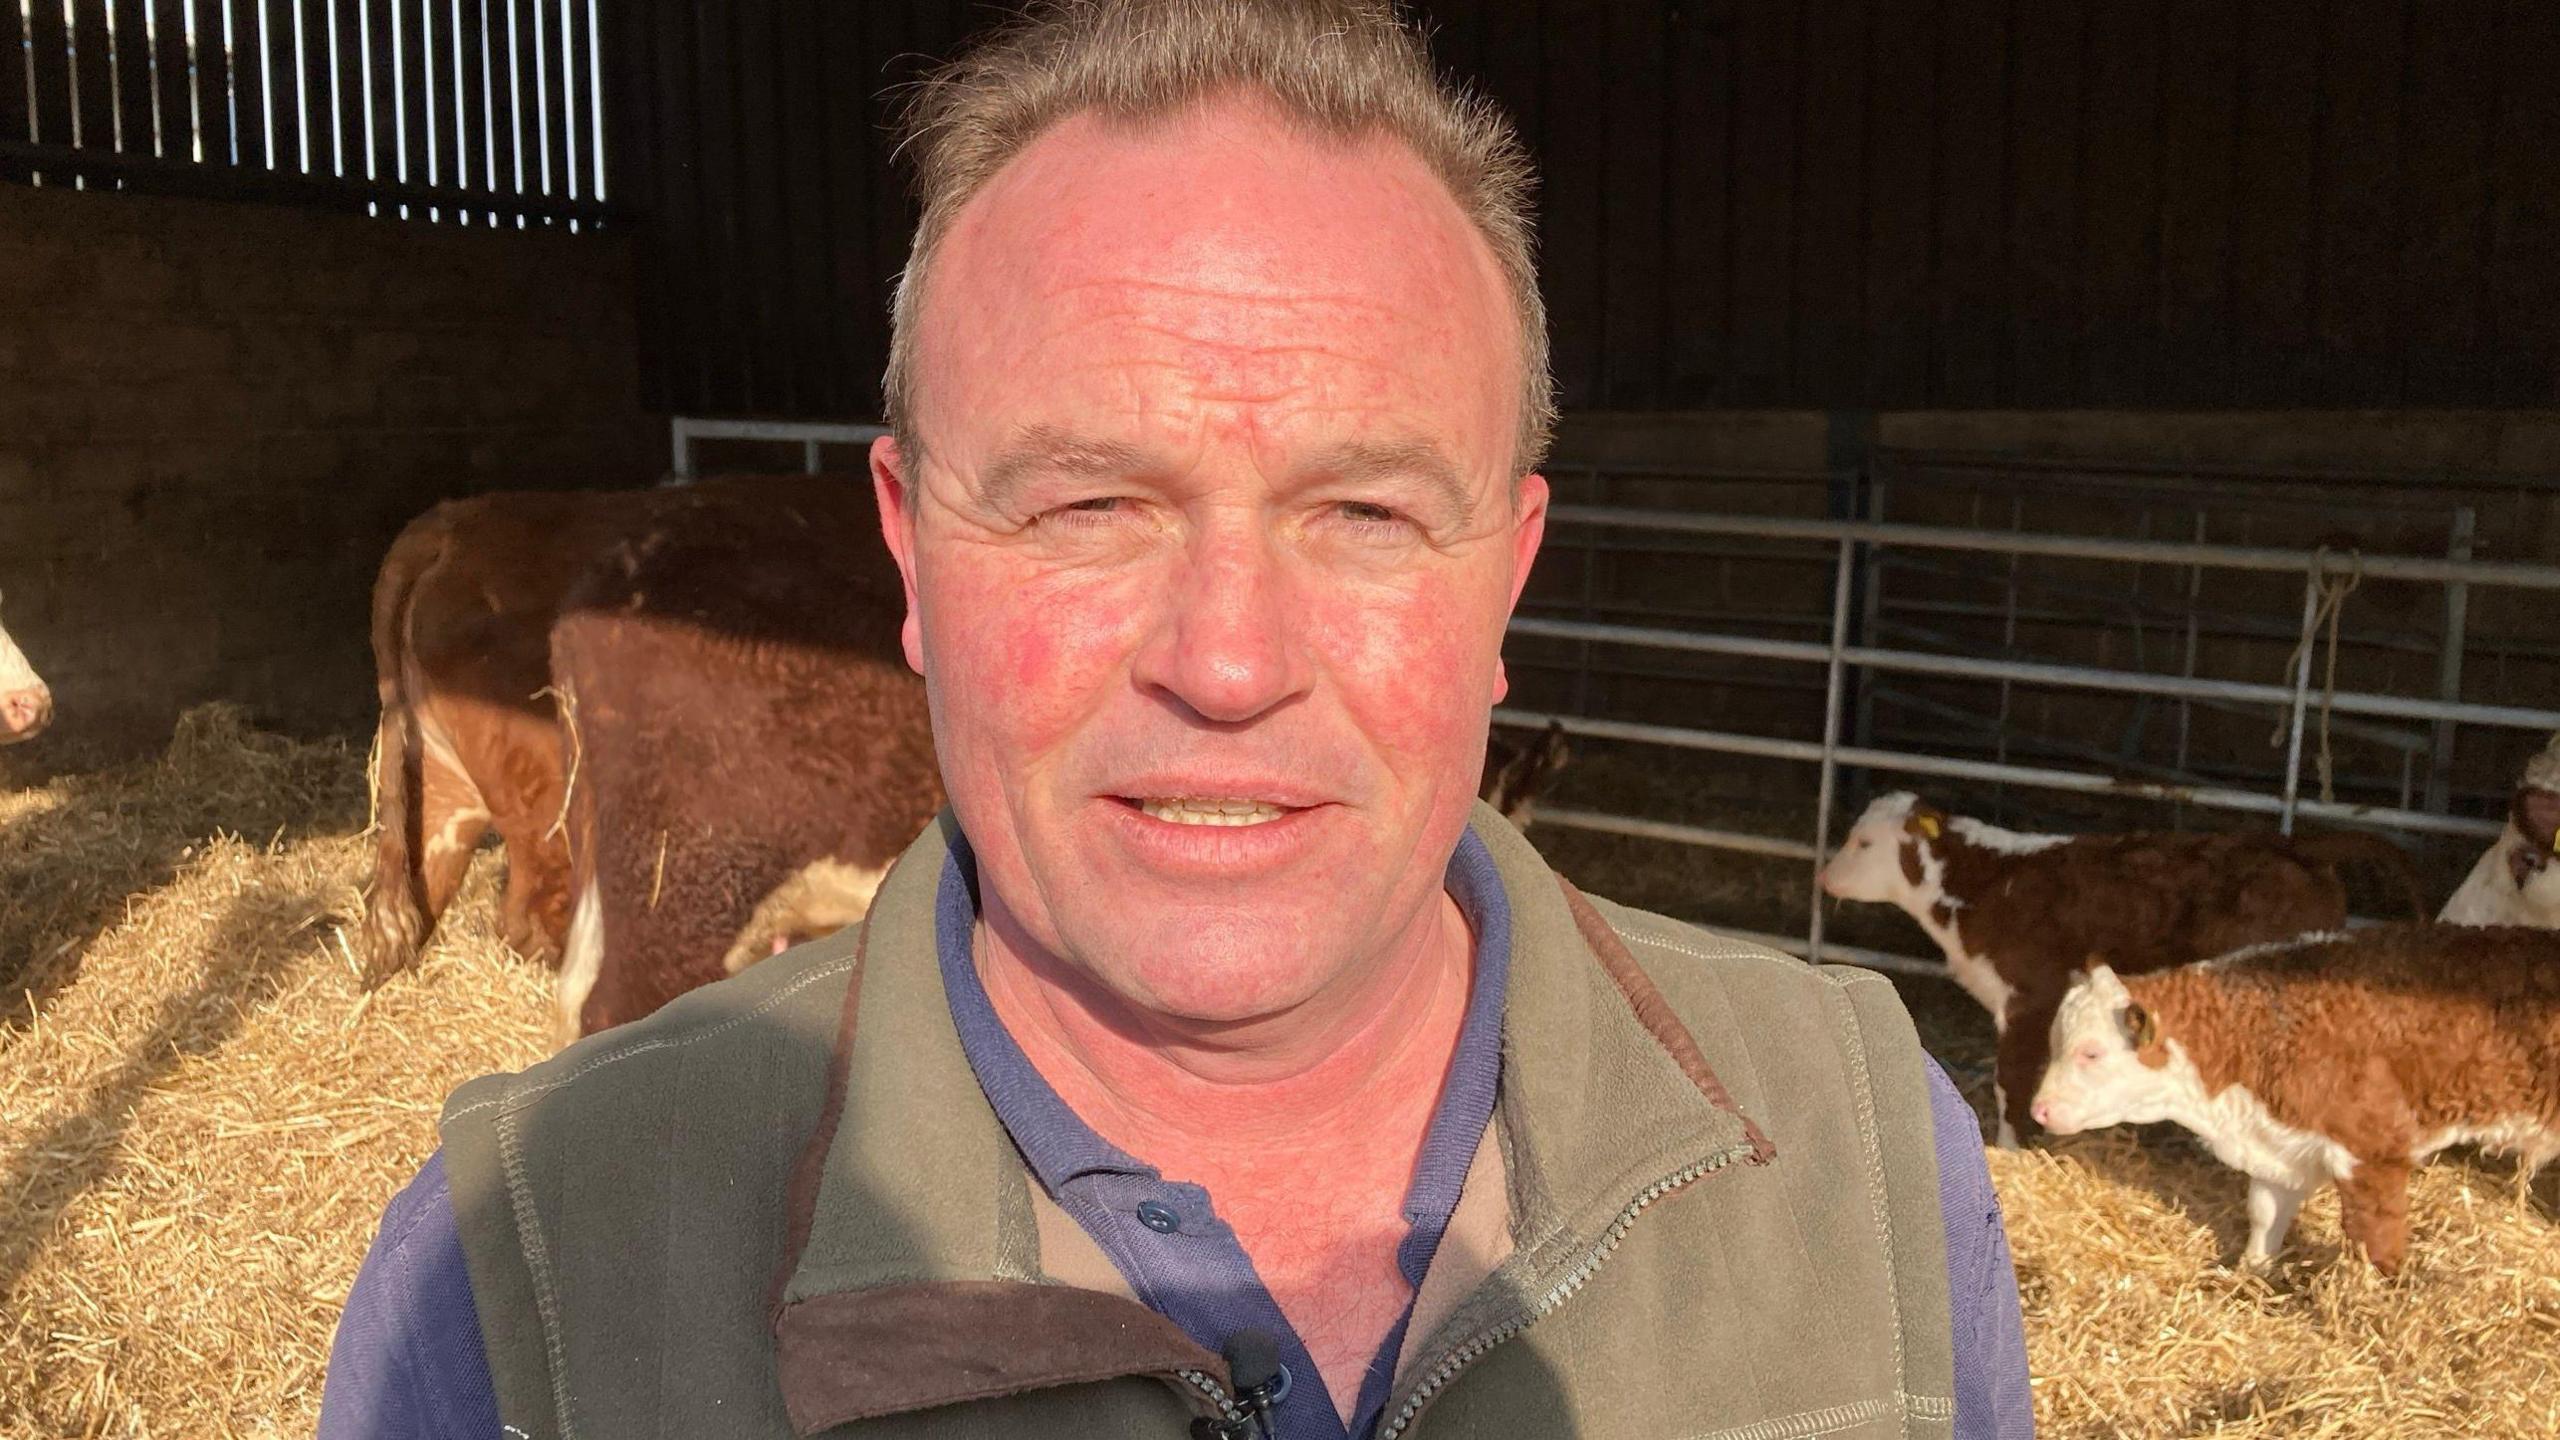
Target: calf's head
[(26, 704), (1891, 855), (2110, 1065), (1515, 773), (2536, 815)]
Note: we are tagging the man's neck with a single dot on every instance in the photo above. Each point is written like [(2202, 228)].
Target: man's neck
[(1195, 1097)]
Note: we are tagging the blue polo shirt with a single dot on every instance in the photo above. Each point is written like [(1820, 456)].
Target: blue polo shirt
[(408, 1362), (1165, 1236)]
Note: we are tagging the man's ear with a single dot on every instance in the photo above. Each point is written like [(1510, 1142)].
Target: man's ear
[(895, 487), (1528, 532)]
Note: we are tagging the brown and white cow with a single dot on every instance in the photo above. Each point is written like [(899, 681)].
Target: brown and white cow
[(2328, 1059), (748, 748), (26, 702), (2517, 879), (469, 736), (2016, 914)]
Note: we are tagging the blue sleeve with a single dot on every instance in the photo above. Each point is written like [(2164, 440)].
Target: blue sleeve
[(1992, 1399), (407, 1363)]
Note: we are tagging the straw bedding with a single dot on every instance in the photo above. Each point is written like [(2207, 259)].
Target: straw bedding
[(201, 1117)]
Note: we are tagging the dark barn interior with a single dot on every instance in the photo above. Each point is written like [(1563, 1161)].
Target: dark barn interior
[(1787, 248)]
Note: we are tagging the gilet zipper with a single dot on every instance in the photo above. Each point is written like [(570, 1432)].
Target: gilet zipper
[(1201, 1381), (1474, 1349)]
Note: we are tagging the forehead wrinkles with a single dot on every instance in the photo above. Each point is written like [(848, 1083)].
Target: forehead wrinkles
[(1251, 347)]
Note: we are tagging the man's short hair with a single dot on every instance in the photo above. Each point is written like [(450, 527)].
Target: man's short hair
[(1344, 68)]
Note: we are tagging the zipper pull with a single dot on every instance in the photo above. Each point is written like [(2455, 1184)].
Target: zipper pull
[(1260, 1380)]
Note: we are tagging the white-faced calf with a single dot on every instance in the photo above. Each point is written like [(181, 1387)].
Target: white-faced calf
[(26, 703), (2517, 880), (2016, 914), (2332, 1059)]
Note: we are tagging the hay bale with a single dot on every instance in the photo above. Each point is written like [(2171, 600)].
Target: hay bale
[(201, 1115), (201, 1118), (2135, 1327)]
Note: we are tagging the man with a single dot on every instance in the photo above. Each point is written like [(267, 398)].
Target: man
[(1215, 1067)]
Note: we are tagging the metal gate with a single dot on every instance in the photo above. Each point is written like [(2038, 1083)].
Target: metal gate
[(1853, 660)]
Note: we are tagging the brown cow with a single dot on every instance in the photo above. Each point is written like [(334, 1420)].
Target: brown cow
[(26, 702), (2345, 1059), (749, 749), (2017, 914), (469, 735)]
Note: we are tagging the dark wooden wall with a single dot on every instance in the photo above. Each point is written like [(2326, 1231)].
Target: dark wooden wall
[(1827, 203)]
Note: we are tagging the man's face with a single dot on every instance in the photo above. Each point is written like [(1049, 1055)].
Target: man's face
[(1211, 553)]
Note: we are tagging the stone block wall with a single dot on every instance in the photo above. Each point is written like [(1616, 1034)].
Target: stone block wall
[(214, 417)]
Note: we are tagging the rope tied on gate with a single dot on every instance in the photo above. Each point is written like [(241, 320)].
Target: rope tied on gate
[(2334, 589)]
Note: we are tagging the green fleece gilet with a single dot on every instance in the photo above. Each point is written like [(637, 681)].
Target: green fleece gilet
[(781, 1204)]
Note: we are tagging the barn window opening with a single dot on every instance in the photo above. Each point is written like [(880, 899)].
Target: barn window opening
[(475, 112)]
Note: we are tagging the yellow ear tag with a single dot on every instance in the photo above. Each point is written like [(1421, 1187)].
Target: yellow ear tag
[(1928, 826)]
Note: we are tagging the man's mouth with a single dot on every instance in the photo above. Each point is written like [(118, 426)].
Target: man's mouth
[(1210, 810)]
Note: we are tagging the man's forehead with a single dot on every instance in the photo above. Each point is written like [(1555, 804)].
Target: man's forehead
[(1221, 241)]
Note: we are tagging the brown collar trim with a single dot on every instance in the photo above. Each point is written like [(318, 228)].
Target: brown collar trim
[(809, 1171), (1655, 1014), (867, 1353)]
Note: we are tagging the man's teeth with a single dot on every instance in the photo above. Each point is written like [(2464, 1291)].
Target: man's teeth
[(1209, 810)]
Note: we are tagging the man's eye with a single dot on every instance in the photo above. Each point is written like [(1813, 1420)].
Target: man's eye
[(1088, 512), (1372, 522)]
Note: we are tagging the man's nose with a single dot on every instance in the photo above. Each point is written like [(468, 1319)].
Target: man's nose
[(1229, 643)]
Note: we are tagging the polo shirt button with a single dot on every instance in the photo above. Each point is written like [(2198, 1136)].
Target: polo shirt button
[(1158, 1216)]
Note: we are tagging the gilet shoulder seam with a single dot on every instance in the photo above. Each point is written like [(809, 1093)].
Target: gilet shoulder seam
[(514, 1095), (1736, 950)]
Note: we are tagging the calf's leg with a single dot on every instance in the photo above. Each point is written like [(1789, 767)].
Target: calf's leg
[(535, 913), (2026, 1042), (2272, 1207)]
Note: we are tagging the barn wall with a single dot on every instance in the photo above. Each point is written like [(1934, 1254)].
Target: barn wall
[(2170, 204), (213, 418)]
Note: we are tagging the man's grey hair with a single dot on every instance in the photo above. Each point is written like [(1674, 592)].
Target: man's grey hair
[(1343, 68)]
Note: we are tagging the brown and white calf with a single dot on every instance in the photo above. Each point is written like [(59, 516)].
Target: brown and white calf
[(2328, 1059), (469, 738), (1517, 772), (2517, 879), (748, 750), (26, 702), (2016, 914)]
